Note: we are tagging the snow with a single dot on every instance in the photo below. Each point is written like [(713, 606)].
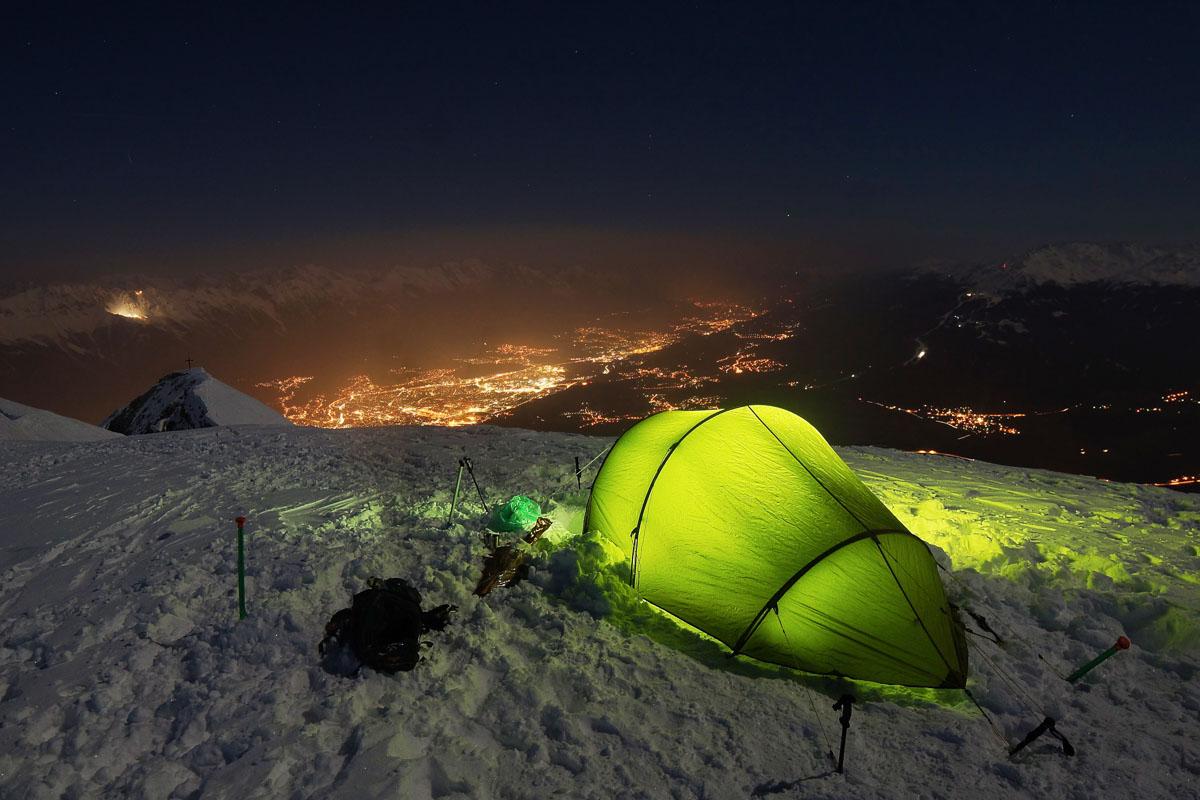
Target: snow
[(1075, 263), (59, 313), (190, 399), (125, 673), (25, 423)]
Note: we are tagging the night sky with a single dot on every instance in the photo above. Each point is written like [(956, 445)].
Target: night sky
[(787, 134)]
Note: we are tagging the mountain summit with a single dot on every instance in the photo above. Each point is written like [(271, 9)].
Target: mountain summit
[(190, 399)]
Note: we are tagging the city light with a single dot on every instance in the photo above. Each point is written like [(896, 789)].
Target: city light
[(515, 374), (963, 418), (129, 306)]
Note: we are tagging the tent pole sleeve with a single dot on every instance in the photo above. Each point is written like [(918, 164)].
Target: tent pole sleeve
[(790, 582)]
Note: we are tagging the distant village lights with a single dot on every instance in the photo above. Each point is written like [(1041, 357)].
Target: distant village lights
[(515, 374)]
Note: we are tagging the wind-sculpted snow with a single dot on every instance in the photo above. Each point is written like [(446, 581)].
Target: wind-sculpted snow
[(125, 673), (22, 423)]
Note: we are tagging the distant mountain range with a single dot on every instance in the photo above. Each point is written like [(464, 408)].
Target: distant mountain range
[(1083, 263), (1079, 357), (114, 335), (63, 313), (1064, 361)]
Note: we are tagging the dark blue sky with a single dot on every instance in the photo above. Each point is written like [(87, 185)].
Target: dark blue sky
[(782, 133)]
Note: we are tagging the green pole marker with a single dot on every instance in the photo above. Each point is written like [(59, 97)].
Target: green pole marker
[(1122, 644), (241, 521), (454, 502)]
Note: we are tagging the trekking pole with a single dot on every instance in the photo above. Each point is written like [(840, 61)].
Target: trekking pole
[(844, 704), (454, 502), (578, 473), (241, 568), (1122, 643), (466, 462)]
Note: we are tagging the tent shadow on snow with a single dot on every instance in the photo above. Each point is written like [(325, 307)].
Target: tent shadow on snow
[(582, 576), (704, 489)]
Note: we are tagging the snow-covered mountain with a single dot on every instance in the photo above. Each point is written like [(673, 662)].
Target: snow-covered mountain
[(24, 423), (190, 399), (124, 671), (64, 314), (1080, 263)]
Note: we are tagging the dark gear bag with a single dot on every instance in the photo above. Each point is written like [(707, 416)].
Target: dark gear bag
[(383, 626)]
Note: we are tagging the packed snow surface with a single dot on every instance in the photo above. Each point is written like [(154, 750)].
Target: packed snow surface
[(124, 671), (187, 400), (24, 423)]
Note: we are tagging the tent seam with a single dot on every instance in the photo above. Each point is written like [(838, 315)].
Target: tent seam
[(637, 527), (587, 515), (807, 469), (950, 670), (792, 581)]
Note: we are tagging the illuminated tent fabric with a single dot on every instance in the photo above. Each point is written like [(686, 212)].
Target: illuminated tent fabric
[(745, 524)]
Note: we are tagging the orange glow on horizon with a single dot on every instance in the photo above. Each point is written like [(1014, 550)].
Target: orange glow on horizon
[(512, 376)]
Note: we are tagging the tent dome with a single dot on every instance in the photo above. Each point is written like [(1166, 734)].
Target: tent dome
[(747, 525)]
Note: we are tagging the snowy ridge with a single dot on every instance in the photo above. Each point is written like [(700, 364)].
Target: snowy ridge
[(1072, 264), (24, 423), (52, 314), (124, 672), (187, 400)]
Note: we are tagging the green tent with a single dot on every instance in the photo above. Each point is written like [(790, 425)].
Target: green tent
[(745, 524)]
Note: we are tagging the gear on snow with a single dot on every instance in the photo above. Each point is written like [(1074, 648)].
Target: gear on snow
[(381, 629)]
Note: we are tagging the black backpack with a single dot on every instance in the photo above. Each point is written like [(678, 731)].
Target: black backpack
[(383, 626)]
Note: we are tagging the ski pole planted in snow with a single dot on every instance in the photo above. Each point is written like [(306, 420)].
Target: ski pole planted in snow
[(1122, 643), (844, 705), (454, 502), (241, 567), (466, 462)]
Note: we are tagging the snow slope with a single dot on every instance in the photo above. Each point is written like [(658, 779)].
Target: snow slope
[(24, 423), (190, 399), (124, 672)]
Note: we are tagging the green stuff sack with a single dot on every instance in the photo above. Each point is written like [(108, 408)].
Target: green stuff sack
[(518, 514)]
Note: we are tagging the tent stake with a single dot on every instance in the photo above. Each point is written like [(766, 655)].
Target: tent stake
[(466, 462), (844, 704), (1046, 726), (1121, 644)]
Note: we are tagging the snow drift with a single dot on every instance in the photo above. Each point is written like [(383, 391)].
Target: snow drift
[(187, 400), (24, 423), (125, 673)]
